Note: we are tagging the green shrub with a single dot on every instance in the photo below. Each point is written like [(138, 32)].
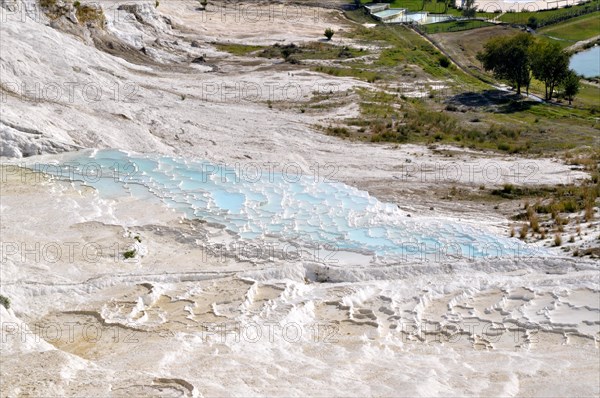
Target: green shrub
[(129, 254), (532, 22), (329, 33), (5, 301), (569, 206), (338, 131), (292, 60), (508, 188), (444, 61), (502, 146), (86, 13), (289, 49), (47, 3), (345, 53)]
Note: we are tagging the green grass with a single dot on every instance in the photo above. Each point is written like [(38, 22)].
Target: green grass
[(404, 47), (355, 72), (401, 50), (544, 17), (550, 128), (588, 97), (318, 50), (516, 127), (479, 14), (238, 49), (314, 50), (574, 29), (547, 17), (454, 26), (433, 6), (389, 118)]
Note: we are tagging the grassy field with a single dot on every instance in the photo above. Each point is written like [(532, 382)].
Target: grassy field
[(589, 95), (433, 6), (238, 49), (510, 125), (308, 51), (587, 98), (507, 125), (547, 17), (403, 49), (465, 112), (463, 47), (454, 26), (574, 30)]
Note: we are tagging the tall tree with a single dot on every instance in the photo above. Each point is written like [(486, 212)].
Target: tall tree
[(469, 9), (509, 58), (570, 85), (549, 64)]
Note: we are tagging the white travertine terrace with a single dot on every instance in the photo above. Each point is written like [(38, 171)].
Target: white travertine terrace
[(186, 319), (198, 311)]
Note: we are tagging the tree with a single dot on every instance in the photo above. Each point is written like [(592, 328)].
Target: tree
[(449, 3), (508, 58), (532, 22), (329, 33), (549, 64), (570, 85), (469, 9)]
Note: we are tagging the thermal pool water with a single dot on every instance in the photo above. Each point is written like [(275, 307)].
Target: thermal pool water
[(255, 202)]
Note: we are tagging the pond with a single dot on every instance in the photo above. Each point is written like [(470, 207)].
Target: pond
[(587, 63)]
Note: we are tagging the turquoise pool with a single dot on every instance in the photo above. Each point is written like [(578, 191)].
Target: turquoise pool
[(290, 207)]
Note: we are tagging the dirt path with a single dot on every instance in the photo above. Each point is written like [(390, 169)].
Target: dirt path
[(579, 46)]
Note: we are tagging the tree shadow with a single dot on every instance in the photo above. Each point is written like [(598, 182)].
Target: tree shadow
[(516, 106), (492, 100)]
